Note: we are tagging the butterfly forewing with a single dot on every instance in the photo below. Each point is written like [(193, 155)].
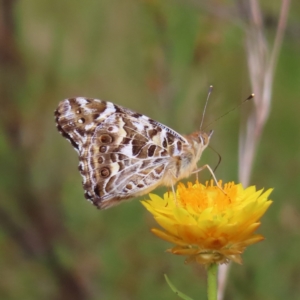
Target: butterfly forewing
[(123, 154)]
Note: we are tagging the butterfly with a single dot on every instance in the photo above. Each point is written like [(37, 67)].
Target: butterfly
[(122, 153)]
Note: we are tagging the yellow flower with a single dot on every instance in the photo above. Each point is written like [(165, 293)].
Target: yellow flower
[(207, 224)]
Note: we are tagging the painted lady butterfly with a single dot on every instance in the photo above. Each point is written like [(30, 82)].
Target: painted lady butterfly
[(124, 154)]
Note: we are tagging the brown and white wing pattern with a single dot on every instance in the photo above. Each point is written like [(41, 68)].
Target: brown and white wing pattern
[(122, 154)]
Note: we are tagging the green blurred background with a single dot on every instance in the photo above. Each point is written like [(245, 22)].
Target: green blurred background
[(158, 58)]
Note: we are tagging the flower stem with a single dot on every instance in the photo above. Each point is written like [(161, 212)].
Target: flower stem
[(212, 275)]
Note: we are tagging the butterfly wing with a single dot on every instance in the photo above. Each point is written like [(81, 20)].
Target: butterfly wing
[(122, 153)]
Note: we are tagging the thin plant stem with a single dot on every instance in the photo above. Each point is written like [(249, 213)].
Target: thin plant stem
[(212, 282), (261, 64)]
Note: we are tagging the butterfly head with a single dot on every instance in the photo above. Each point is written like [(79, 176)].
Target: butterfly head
[(199, 141), (201, 138)]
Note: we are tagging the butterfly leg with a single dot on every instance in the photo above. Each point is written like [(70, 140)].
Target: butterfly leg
[(212, 174), (174, 194), (172, 186), (197, 176)]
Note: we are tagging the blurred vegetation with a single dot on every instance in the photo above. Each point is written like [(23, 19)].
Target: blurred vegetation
[(158, 58)]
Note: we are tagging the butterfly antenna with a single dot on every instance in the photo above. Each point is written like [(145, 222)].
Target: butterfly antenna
[(240, 104), (204, 110)]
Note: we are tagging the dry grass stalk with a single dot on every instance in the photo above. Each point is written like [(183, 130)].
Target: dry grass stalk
[(261, 64)]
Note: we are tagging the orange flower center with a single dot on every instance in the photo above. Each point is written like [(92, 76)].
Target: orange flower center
[(198, 197)]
